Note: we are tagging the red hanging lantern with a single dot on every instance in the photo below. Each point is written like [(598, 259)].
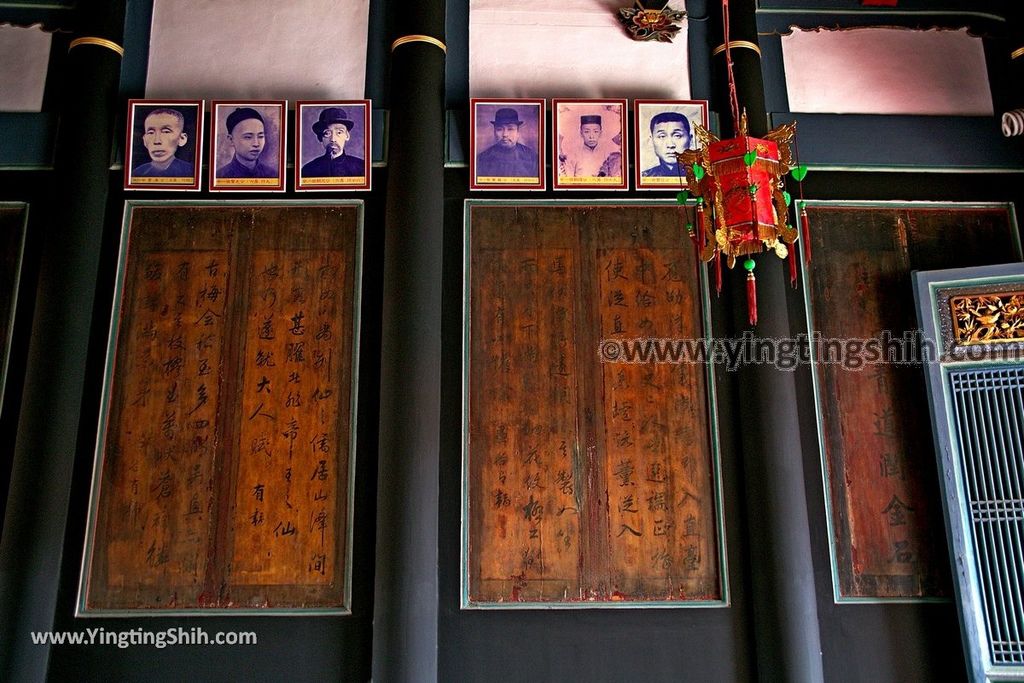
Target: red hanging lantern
[(743, 207), (741, 178)]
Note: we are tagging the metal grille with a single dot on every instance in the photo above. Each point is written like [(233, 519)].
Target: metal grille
[(989, 408)]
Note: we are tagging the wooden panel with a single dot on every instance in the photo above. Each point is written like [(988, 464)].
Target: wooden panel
[(224, 467), (886, 520), (588, 482), (527, 320), (12, 238), (658, 475)]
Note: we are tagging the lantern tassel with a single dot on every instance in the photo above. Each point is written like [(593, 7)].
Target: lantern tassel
[(752, 298), (718, 272), (792, 265), (805, 225)]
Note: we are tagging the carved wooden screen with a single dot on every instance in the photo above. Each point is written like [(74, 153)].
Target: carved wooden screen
[(588, 481), (224, 463), (975, 318), (883, 500)]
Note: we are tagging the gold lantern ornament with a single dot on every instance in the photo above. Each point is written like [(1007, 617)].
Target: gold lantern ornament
[(740, 183)]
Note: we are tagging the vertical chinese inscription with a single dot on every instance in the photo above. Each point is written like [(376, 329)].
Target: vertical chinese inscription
[(529, 508), (285, 499), (589, 482), (886, 530), (164, 438), (660, 493), (224, 477)]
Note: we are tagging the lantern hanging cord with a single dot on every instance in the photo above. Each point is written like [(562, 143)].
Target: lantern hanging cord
[(733, 99), (799, 183)]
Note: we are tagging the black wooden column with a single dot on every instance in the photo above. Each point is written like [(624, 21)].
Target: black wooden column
[(406, 586), (48, 428), (781, 571)]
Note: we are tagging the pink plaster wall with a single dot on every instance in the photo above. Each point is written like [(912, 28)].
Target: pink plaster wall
[(24, 60), (255, 49), (574, 48), (886, 71)]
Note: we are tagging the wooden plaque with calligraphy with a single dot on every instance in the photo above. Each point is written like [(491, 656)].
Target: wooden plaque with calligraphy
[(881, 483), (224, 465), (590, 481)]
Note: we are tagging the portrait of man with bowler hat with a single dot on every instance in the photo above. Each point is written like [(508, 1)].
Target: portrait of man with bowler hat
[(507, 157), (246, 134), (333, 129)]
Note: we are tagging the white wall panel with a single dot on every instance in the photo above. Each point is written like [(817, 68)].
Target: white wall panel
[(886, 71), (310, 49), (575, 48), (24, 58)]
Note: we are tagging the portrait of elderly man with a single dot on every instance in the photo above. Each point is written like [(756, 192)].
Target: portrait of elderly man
[(589, 155), (670, 136), (247, 137), (163, 134), (507, 157), (333, 130)]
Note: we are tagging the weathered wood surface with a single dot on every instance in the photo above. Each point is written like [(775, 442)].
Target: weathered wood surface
[(880, 462), (225, 462), (588, 481)]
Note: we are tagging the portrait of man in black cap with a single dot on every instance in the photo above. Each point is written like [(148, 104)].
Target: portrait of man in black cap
[(333, 130), (247, 136), (590, 140), (507, 157), (587, 156)]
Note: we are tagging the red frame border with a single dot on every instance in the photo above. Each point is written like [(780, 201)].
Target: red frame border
[(129, 143), (624, 144), (542, 142), (636, 142), (281, 162), (297, 155)]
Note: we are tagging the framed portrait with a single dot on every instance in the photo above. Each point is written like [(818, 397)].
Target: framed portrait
[(664, 129), (507, 146), (163, 144), (247, 153), (332, 145), (590, 148)]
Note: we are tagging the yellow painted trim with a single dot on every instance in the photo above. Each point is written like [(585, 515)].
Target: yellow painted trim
[(102, 42), (416, 38), (735, 44)]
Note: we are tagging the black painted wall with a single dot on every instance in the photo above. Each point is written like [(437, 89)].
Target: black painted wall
[(891, 642)]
